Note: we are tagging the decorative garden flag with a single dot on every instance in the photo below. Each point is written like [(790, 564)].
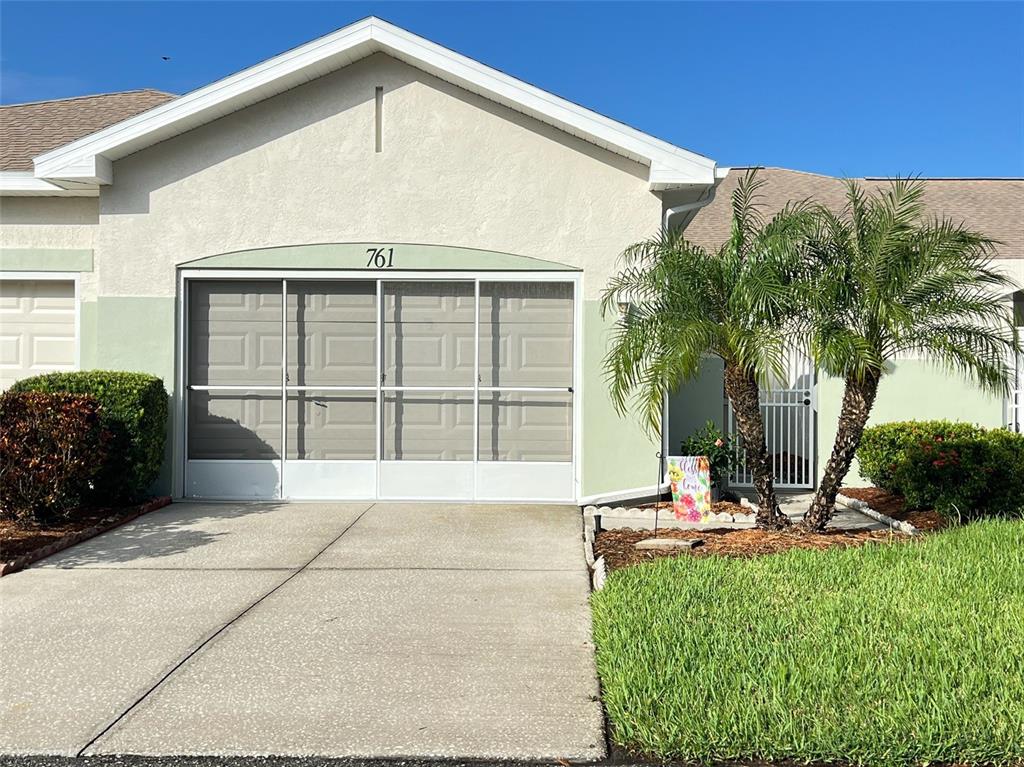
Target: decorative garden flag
[(689, 476)]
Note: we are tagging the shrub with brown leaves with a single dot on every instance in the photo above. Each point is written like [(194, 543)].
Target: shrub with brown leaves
[(51, 448)]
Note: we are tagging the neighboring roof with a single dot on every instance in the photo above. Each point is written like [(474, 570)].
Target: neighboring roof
[(993, 206), (28, 130), (89, 159)]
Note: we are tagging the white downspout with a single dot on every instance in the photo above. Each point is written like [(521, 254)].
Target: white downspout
[(669, 212), (688, 206)]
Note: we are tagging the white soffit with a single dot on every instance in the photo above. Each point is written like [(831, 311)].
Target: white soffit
[(19, 183), (88, 159)]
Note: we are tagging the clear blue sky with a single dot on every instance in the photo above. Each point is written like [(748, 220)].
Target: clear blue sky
[(847, 89)]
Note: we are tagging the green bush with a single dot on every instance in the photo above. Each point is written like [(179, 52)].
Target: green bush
[(52, 446), (134, 411), (961, 470), (881, 446)]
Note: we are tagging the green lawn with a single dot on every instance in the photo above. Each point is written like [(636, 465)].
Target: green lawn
[(902, 653)]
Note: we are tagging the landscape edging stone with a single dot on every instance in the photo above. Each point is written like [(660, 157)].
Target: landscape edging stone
[(69, 540), (862, 506)]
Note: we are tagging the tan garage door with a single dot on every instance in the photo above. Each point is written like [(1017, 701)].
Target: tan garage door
[(37, 328)]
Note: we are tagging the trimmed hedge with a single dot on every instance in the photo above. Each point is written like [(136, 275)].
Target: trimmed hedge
[(961, 470), (134, 411), (52, 447)]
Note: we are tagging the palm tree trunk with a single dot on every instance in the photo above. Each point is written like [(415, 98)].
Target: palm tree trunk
[(858, 399), (742, 390)]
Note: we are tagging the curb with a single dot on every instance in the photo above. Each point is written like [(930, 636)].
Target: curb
[(595, 566), (863, 508), (69, 540), (633, 518)]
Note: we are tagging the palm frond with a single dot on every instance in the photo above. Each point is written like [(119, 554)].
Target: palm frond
[(887, 281), (738, 303)]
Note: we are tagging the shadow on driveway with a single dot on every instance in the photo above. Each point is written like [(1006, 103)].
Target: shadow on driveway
[(164, 535)]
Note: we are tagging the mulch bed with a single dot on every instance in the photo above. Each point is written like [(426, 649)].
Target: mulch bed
[(894, 506), (616, 546), (23, 542)]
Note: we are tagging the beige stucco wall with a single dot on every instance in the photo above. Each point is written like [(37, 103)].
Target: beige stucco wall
[(1012, 268), (51, 223), (48, 222), (301, 168), (455, 169)]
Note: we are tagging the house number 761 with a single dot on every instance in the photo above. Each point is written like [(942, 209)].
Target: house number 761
[(380, 258)]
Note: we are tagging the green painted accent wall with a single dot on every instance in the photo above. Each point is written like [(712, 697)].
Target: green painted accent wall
[(45, 260), (354, 255), (137, 334), (910, 390), (87, 335), (617, 454)]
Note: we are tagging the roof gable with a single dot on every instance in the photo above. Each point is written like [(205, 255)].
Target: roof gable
[(90, 159)]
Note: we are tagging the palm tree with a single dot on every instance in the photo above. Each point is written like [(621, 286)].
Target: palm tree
[(684, 302), (889, 281)]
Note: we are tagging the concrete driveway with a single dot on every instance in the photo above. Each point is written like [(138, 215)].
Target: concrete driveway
[(329, 629)]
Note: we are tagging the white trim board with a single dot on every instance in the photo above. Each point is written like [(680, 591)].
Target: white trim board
[(23, 183), (622, 495), (89, 159)]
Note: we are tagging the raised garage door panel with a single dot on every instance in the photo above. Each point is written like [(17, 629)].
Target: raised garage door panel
[(37, 328), (526, 334), (235, 333), (332, 333)]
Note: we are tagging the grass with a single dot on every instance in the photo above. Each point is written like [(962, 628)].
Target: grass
[(887, 654)]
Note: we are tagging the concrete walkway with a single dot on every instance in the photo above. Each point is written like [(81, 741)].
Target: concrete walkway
[(795, 506), (307, 629)]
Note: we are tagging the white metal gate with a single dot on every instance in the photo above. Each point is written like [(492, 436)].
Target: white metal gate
[(788, 410)]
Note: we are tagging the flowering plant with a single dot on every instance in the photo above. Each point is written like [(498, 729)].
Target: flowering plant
[(718, 447)]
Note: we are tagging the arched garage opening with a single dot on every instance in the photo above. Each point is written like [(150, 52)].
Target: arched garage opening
[(379, 381)]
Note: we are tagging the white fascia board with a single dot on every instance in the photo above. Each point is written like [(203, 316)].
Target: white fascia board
[(202, 105), (16, 183), (89, 158)]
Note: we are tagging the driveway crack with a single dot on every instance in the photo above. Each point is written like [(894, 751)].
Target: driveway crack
[(210, 638)]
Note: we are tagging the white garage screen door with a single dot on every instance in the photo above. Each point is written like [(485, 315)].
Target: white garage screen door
[(455, 389)]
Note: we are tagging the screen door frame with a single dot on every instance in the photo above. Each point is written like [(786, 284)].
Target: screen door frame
[(379, 479)]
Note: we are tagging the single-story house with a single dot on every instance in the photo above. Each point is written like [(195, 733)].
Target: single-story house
[(370, 267)]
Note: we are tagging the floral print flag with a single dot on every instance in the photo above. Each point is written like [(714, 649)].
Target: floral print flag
[(689, 476)]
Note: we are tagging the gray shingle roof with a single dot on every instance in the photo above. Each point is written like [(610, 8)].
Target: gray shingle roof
[(28, 130), (992, 206)]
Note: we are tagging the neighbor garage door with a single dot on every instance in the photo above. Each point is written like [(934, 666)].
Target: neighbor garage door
[(404, 389), (37, 328)]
